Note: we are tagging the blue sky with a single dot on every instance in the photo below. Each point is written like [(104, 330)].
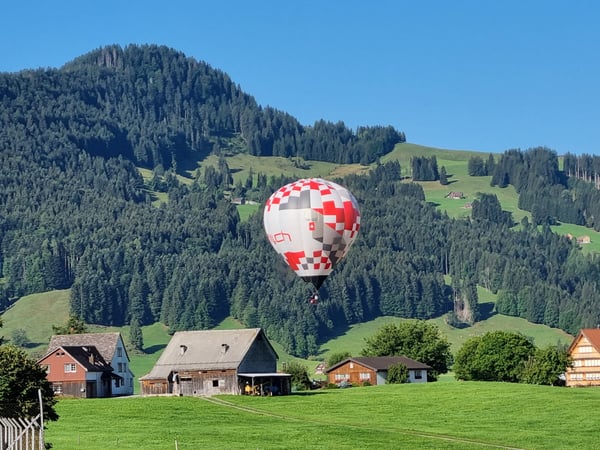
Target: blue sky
[(484, 75)]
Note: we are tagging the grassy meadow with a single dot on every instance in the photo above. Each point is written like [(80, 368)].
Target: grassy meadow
[(466, 415)]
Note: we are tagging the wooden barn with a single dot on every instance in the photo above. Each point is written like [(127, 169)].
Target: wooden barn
[(585, 356), (373, 370), (78, 371), (211, 362), (113, 351)]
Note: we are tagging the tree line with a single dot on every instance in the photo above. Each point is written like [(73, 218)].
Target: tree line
[(551, 194)]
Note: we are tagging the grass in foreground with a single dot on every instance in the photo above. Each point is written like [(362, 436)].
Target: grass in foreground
[(436, 415)]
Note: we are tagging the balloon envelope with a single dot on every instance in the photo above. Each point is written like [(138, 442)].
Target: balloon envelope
[(312, 223)]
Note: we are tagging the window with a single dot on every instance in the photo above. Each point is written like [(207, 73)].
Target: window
[(418, 374), (215, 383), (120, 367), (576, 376), (342, 376), (119, 352), (592, 362), (592, 376), (70, 368), (585, 349), (364, 376), (57, 388), (577, 363)]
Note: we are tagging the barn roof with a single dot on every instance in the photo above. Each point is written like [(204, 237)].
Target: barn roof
[(379, 363), (206, 350), (87, 356), (591, 334), (106, 343)]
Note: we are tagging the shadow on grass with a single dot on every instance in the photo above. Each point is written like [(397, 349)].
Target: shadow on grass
[(154, 348), (486, 310)]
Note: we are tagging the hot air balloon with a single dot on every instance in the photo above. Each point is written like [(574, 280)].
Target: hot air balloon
[(312, 223)]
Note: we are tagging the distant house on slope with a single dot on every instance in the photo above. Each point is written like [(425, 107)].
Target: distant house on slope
[(455, 195), (585, 354), (211, 362), (584, 240), (374, 369), (109, 346)]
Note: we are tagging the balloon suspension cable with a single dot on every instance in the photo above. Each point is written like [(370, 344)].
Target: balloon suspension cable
[(314, 298)]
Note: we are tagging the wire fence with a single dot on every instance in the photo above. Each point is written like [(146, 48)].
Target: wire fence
[(17, 433)]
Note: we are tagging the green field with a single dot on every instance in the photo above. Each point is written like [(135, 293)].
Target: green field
[(434, 415)]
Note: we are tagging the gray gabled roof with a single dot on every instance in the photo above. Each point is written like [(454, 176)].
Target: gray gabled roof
[(106, 343), (381, 363), (205, 350)]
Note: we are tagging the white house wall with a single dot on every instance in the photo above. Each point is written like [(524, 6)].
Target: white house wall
[(120, 365), (412, 376)]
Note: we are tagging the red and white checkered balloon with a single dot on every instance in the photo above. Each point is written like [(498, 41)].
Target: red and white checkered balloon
[(312, 223)]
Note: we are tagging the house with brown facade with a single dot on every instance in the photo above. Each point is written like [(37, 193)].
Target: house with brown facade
[(585, 355), (78, 371), (211, 362), (373, 370), (112, 351)]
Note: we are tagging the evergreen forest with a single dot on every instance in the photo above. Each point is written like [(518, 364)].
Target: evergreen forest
[(76, 213)]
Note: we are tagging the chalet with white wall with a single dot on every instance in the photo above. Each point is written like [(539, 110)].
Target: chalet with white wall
[(585, 354)]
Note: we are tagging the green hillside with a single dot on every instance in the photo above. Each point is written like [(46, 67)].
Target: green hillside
[(455, 162), (37, 313)]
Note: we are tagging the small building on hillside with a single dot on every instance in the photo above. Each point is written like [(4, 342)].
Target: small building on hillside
[(211, 362), (585, 354), (373, 370), (455, 195), (78, 371), (111, 348)]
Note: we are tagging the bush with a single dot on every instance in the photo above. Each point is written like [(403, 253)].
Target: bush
[(397, 374), (493, 356), (300, 379), (19, 338)]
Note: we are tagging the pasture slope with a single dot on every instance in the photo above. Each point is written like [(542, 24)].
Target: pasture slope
[(466, 415), (37, 313)]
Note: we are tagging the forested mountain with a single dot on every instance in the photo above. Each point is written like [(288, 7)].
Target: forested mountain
[(74, 212), (551, 195)]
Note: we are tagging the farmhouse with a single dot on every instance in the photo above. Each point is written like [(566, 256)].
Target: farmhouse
[(373, 370), (211, 362), (585, 354), (78, 372), (455, 195), (117, 377)]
